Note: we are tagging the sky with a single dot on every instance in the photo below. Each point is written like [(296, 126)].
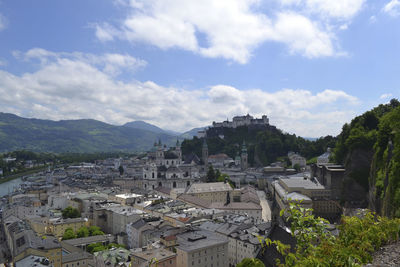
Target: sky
[(309, 65)]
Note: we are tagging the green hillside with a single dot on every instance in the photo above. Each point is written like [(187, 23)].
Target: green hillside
[(369, 147), (18, 133), (264, 145)]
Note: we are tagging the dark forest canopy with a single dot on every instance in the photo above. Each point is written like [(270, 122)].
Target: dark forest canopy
[(264, 146)]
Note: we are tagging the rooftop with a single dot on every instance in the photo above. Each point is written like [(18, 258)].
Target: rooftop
[(131, 195), (159, 254), (235, 206), (301, 182), (88, 240), (208, 187), (194, 240)]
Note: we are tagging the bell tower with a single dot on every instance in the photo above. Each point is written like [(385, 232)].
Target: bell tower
[(204, 153), (243, 157)]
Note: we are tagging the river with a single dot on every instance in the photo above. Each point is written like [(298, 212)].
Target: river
[(9, 186)]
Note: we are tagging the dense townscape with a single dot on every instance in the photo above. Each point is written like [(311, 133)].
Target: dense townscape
[(161, 207), (167, 208)]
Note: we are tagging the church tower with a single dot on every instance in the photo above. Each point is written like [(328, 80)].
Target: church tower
[(204, 153), (178, 152), (159, 154), (244, 163)]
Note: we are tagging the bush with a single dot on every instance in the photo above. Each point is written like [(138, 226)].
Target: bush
[(68, 234), (359, 236), (70, 212), (246, 262)]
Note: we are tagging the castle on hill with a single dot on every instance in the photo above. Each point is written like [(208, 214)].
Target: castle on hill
[(238, 121)]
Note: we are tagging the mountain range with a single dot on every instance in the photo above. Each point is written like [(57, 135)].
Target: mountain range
[(84, 135)]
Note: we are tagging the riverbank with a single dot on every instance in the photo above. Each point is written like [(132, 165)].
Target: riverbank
[(18, 175)]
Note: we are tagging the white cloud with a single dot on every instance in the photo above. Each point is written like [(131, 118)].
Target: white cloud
[(331, 9), (385, 96), (3, 22), (231, 29), (302, 36), (392, 8), (372, 19), (105, 32), (71, 86), (111, 64)]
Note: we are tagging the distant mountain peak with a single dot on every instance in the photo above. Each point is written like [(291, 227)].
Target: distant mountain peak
[(145, 126)]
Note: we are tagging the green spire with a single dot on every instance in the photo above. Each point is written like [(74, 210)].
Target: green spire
[(244, 148), (204, 143)]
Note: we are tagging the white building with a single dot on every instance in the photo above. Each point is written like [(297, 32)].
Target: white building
[(324, 158), (242, 121)]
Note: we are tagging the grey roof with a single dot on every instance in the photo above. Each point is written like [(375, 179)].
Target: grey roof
[(195, 200), (227, 228), (235, 206), (88, 240), (159, 254), (195, 240), (76, 256), (300, 182), (210, 226), (192, 158), (209, 187), (173, 169), (139, 224)]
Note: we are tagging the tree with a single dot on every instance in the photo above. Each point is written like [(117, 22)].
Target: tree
[(95, 230), (121, 170), (82, 232), (70, 212), (68, 234), (95, 247), (211, 175), (247, 262)]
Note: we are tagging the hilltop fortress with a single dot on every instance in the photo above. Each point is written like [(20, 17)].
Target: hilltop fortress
[(242, 121)]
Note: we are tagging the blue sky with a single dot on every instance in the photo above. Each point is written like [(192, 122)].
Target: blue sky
[(310, 65)]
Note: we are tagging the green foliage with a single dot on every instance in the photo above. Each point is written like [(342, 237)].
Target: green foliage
[(247, 262), (96, 247), (95, 230), (263, 146), (296, 167), (70, 212), (82, 232), (211, 175), (312, 161), (359, 236), (378, 132), (68, 234), (387, 163), (361, 133)]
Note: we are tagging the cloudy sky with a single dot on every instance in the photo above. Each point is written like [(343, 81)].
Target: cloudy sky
[(310, 65)]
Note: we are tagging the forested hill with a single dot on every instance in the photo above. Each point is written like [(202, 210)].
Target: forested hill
[(18, 133), (264, 145), (369, 147)]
